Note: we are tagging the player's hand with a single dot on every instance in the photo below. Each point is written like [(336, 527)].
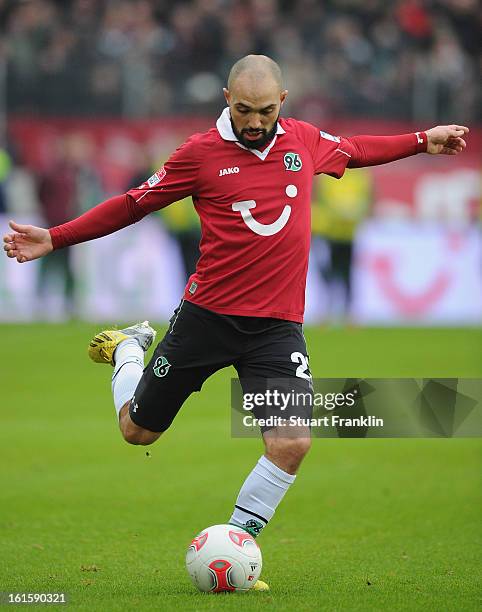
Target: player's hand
[(446, 139), (27, 242)]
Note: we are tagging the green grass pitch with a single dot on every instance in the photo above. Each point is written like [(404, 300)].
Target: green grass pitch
[(369, 524)]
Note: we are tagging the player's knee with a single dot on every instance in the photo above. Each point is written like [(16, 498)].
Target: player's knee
[(304, 445), (290, 450), (133, 434), (296, 447)]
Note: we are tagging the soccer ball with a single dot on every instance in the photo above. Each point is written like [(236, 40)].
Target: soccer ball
[(224, 558)]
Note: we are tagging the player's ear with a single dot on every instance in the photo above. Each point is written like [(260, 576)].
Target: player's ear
[(227, 95), (282, 96)]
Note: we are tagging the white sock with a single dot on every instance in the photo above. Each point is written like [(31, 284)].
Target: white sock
[(129, 365), (260, 495)]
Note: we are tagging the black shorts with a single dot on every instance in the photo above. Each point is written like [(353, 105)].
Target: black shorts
[(200, 342)]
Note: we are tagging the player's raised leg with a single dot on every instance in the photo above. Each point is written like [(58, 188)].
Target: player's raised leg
[(124, 349)]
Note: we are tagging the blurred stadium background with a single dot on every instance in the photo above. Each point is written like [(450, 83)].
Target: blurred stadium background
[(95, 94)]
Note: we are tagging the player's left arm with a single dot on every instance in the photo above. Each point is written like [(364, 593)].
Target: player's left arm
[(446, 139), (374, 150)]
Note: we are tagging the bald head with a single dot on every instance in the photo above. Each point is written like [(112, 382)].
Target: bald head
[(255, 97), (255, 69)]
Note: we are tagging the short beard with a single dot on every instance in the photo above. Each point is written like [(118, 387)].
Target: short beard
[(263, 140)]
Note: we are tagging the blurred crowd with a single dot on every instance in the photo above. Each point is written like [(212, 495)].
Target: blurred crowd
[(407, 59)]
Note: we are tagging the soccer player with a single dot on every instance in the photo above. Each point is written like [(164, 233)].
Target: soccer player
[(250, 178)]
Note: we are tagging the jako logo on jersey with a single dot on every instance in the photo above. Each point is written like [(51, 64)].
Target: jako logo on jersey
[(257, 227), (224, 171), (161, 366), (156, 178)]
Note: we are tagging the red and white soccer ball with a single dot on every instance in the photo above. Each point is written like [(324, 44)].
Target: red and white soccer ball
[(224, 558)]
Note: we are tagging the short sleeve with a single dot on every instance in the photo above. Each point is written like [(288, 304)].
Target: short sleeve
[(174, 181)]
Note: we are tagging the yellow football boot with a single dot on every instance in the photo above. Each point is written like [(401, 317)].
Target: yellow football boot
[(259, 585), (102, 346)]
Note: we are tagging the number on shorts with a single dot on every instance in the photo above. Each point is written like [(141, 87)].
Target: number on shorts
[(302, 371)]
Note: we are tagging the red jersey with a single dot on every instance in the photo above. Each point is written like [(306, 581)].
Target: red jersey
[(254, 208), (255, 214)]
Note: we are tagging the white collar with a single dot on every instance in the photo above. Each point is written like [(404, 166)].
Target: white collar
[(225, 129)]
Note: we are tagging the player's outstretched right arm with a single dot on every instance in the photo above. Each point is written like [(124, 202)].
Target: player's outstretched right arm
[(173, 182), (27, 242)]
